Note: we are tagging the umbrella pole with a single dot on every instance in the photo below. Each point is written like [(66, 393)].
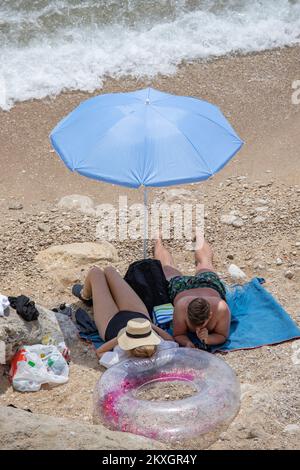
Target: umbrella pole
[(145, 221)]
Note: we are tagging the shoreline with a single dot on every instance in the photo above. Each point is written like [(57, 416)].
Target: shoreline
[(144, 79), (260, 184), (253, 91)]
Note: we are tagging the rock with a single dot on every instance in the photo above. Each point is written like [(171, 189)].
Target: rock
[(259, 219), (289, 274), (175, 195), (22, 430), (15, 206), (258, 267), (44, 228), (261, 209), (224, 437), (238, 223), (279, 261), (228, 219), (230, 256), (68, 328), (2, 354), (255, 434), (292, 429), (265, 185), (262, 202), (15, 332), (77, 254), (64, 262), (235, 272), (76, 202)]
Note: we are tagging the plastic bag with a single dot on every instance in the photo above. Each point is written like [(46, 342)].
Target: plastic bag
[(68, 328), (33, 366)]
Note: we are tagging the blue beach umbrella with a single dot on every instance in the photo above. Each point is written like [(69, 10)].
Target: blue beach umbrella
[(145, 138)]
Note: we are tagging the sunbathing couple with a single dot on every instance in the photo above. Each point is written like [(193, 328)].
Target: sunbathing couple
[(122, 317)]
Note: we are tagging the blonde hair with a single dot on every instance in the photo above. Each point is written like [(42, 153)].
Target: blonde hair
[(143, 351)]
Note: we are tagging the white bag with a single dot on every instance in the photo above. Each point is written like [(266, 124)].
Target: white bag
[(33, 366)]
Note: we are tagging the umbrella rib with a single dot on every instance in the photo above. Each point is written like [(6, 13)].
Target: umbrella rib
[(217, 124), (186, 137), (199, 114)]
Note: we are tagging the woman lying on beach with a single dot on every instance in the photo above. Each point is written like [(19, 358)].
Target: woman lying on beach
[(120, 315)]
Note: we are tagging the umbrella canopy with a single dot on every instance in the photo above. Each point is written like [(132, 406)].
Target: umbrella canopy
[(145, 138)]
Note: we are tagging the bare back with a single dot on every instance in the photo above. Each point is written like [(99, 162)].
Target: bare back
[(219, 322)]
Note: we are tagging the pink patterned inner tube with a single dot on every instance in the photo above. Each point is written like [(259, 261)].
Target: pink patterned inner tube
[(193, 422)]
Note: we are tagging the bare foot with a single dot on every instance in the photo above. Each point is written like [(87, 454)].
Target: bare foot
[(158, 243), (199, 240)]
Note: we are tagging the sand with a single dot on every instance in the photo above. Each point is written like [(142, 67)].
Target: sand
[(166, 391), (254, 92)]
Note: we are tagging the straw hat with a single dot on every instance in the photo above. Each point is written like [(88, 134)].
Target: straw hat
[(138, 332)]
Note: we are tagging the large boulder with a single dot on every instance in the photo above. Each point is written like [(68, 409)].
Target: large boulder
[(64, 262), (76, 202), (23, 430), (15, 332)]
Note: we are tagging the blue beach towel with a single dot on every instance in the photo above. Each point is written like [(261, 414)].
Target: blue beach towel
[(257, 319), (92, 338)]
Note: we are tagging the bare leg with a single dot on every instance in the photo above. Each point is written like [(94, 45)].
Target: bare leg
[(123, 295), (164, 256), (203, 256), (104, 305)]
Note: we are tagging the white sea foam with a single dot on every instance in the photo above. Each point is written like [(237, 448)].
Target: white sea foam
[(72, 45)]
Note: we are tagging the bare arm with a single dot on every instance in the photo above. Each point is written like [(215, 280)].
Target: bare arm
[(221, 331), (180, 328), (163, 334), (108, 346)]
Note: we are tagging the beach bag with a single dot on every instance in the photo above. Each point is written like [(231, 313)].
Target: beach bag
[(147, 279)]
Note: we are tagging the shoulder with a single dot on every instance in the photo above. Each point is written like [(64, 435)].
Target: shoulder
[(179, 311), (180, 305), (223, 308)]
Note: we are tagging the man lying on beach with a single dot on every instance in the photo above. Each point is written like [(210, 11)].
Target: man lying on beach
[(199, 301)]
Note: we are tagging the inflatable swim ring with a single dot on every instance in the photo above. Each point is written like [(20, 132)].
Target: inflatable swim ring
[(192, 422)]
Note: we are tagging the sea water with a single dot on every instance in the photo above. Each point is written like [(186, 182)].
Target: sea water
[(50, 46)]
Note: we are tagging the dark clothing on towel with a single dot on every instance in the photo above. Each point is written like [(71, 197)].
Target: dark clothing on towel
[(25, 307), (147, 279), (85, 324), (119, 321)]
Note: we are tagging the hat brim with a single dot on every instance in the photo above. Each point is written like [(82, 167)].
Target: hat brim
[(126, 343)]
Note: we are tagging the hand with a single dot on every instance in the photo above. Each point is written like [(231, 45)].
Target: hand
[(99, 353), (202, 334), (189, 344)]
